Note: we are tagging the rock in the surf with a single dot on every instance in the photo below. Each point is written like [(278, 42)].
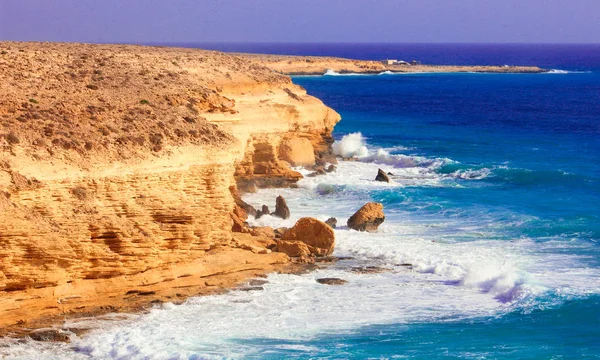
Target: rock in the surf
[(382, 176), (332, 222), (331, 281), (281, 208), (367, 218), (263, 211)]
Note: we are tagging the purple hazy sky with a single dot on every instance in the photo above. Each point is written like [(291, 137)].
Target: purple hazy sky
[(554, 21)]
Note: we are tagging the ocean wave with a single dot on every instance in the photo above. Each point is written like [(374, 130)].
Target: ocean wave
[(559, 71), (331, 72), (351, 145)]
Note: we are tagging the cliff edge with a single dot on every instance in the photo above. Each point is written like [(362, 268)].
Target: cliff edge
[(118, 170)]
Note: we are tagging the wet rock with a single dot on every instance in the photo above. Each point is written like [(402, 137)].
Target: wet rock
[(263, 211), (257, 282), (369, 269), (382, 176), (332, 222), (316, 173), (331, 168), (316, 234), (368, 218), (50, 335), (251, 288), (281, 208), (331, 281)]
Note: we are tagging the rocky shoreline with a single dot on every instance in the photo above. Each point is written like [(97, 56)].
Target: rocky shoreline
[(122, 168), (314, 65)]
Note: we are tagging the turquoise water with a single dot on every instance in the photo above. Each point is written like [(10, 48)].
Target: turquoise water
[(538, 139)]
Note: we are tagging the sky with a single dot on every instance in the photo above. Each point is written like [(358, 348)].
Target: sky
[(398, 21)]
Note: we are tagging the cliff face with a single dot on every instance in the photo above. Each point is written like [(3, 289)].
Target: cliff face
[(117, 165)]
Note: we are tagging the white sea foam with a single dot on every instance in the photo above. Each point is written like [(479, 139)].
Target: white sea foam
[(351, 145), (558, 71)]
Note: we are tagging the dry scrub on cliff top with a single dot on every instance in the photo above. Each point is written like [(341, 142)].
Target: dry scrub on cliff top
[(119, 99)]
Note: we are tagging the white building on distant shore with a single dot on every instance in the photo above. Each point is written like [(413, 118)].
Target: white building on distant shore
[(394, 62)]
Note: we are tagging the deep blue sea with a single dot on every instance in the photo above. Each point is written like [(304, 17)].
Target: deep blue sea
[(492, 233)]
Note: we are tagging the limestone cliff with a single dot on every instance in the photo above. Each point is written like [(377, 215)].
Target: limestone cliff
[(117, 165)]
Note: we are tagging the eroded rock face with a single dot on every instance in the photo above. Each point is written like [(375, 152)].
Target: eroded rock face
[(367, 218), (144, 177), (382, 176), (314, 233), (281, 208), (297, 152)]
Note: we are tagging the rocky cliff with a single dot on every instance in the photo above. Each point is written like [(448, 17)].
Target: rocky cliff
[(118, 165)]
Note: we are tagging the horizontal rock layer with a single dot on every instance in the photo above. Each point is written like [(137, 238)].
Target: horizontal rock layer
[(119, 161)]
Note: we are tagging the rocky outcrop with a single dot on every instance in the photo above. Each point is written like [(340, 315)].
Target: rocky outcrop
[(367, 218), (281, 208), (121, 169), (382, 176), (319, 237)]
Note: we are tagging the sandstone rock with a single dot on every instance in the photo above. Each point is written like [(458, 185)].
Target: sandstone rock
[(281, 208), (238, 224), (263, 231), (297, 152), (368, 218), (279, 232), (313, 233), (331, 281), (382, 176), (293, 248), (332, 222)]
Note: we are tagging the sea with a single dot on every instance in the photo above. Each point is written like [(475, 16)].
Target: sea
[(491, 244)]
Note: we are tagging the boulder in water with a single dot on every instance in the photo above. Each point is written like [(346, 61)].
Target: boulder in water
[(281, 208), (382, 176), (367, 218), (319, 237)]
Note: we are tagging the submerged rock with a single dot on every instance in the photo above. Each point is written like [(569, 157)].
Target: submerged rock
[(319, 237), (367, 218), (281, 208), (382, 176), (331, 281)]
